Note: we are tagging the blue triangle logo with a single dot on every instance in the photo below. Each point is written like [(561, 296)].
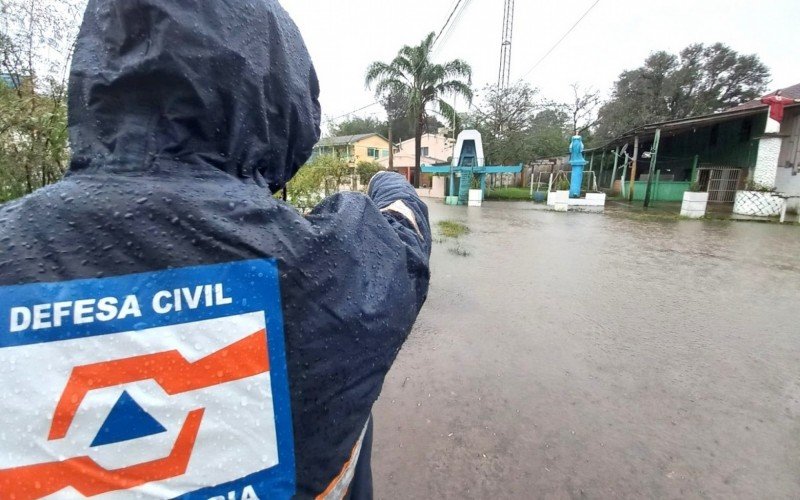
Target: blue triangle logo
[(126, 421)]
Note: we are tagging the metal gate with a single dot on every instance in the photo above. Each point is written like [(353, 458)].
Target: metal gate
[(720, 182)]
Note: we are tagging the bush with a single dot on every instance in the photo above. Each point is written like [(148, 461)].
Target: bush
[(305, 190), (367, 170), (324, 173), (511, 194)]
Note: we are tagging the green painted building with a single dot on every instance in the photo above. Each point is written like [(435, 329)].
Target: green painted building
[(720, 152)]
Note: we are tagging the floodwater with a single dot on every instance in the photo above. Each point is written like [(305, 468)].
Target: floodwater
[(598, 356)]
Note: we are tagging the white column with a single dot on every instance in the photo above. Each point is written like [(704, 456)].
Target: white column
[(769, 149), (773, 126)]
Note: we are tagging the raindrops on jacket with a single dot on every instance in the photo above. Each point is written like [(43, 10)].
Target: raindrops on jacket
[(177, 170)]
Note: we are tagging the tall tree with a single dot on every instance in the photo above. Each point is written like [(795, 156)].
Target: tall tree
[(582, 108), (517, 126), (424, 83), (401, 125), (550, 130), (358, 125), (699, 80), (504, 119)]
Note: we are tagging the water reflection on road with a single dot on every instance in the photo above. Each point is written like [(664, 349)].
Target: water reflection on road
[(574, 355)]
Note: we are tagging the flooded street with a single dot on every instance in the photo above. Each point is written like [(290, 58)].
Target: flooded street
[(598, 356)]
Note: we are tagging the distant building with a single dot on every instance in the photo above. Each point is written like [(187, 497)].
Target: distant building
[(354, 148), (722, 152), (9, 80), (436, 149)]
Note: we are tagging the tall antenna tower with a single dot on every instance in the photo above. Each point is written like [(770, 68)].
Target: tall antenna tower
[(504, 76)]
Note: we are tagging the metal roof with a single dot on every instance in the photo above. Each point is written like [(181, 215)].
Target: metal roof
[(345, 140), (673, 127)]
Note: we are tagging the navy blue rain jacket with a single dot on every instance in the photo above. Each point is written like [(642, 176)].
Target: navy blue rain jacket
[(184, 117)]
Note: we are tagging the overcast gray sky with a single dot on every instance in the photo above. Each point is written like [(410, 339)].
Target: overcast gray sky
[(344, 36)]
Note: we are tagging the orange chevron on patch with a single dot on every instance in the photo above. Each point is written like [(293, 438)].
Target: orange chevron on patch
[(245, 358), (90, 479)]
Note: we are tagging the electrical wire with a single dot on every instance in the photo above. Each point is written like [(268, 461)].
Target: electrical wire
[(560, 40), (451, 28), (447, 22), (354, 111), (434, 47)]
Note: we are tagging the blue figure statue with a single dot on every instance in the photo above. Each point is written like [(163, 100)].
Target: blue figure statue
[(577, 161)]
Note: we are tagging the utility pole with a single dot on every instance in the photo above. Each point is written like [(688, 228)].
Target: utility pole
[(504, 75), (614, 172), (633, 168), (391, 148), (652, 171)]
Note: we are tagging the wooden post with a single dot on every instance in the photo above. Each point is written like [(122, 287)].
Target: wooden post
[(614, 172), (694, 169), (632, 186)]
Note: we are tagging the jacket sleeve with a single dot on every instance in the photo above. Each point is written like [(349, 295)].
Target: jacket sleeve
[(352, 290), (392, 214), (403, 209)]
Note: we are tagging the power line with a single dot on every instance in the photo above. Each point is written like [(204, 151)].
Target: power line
[(441, 31), (560, 40), (354, 111), (447, 22), (451, 27)]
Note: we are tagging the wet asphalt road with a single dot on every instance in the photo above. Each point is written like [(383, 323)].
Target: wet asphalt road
[(595, 356)]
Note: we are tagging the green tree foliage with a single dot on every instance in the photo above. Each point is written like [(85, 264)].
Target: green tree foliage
[(397, 111), (306, 190), (518, 127), (359, 125), (36, 41), (367, 170), (412, 76), (316, 179), (700, 80), (337, 171), (33, 140), (402, 127), (550, 132)]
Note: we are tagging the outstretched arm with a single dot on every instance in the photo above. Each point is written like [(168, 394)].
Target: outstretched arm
[(403, 208)]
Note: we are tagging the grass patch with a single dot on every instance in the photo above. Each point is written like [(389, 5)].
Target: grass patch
[(509, 194), (452, 229)]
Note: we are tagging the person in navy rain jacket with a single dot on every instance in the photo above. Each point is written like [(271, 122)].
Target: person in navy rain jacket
[(184, 118)]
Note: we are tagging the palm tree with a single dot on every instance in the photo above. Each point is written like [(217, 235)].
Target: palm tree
[(413, 75)]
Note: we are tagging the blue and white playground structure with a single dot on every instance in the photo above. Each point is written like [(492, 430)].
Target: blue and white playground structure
[(468, 169)]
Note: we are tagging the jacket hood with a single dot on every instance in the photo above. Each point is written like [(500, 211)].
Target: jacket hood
[(225, 83)]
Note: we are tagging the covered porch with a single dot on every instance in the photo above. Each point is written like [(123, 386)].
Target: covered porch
[(660, 162)]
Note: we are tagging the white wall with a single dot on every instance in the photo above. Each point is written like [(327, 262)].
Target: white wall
[(440, 147), (785, 181)]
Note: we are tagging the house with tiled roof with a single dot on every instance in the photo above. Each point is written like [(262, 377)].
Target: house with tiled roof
[(354, 148), (435, 149)]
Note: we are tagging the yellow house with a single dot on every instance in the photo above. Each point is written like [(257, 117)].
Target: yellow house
[(354, 148)]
